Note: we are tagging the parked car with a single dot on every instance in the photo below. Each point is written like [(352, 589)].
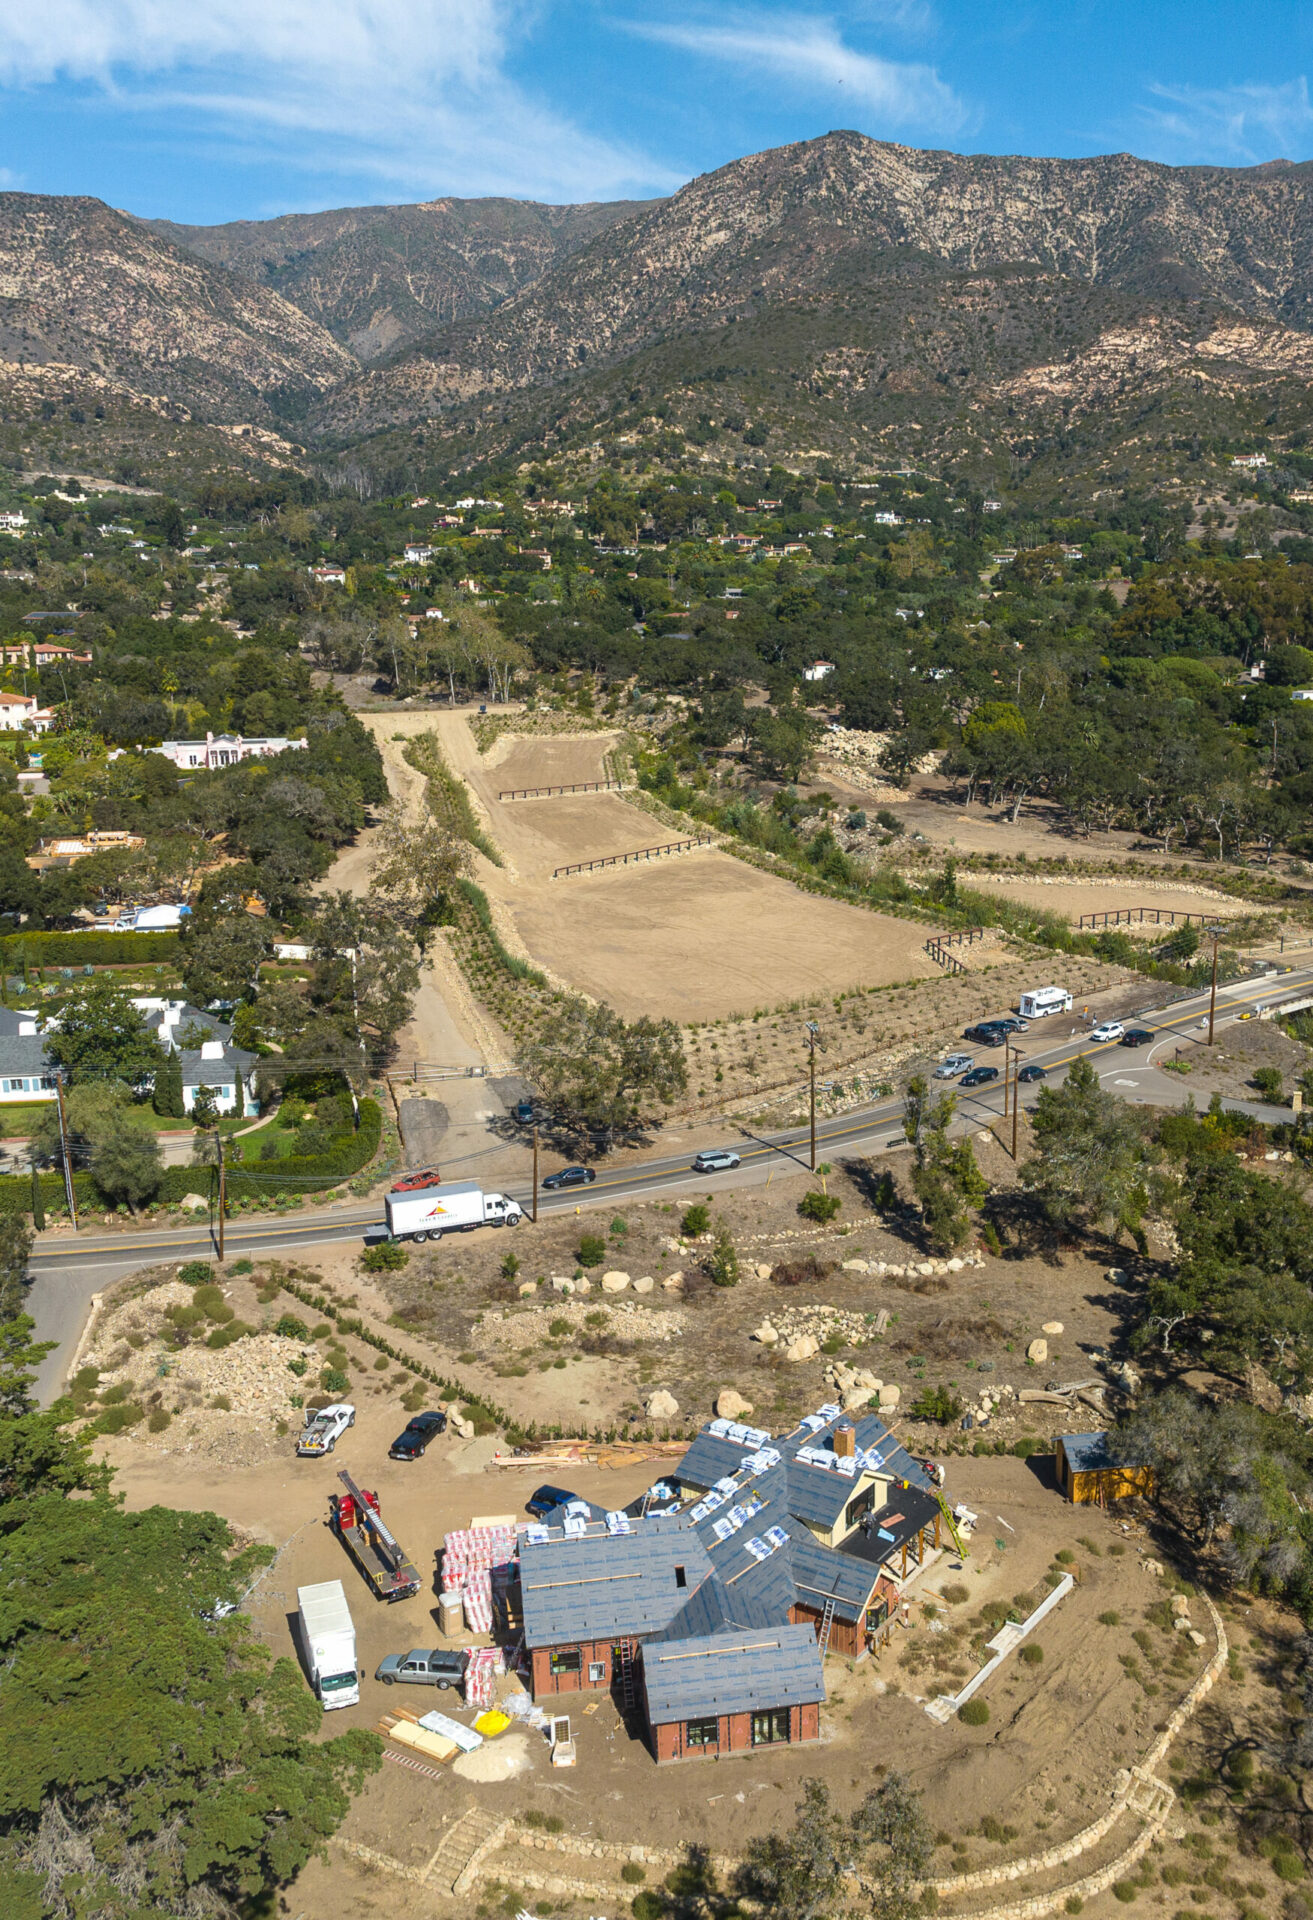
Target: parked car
[(424, 1667), (1012, 1025), (419, 1431), (324, 1428), (1033, 1073), (979, 1076), (1108, 1030), (1137, 1037), (986, 1036), (956, 1063), (524, 1113), (716, 1160), (569, 1177), (545, 1498)]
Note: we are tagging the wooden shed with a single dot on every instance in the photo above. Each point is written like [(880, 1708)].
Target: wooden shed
[(1087, 1472)]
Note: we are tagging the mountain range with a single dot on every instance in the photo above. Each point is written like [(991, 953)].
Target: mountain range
[(842, 293)]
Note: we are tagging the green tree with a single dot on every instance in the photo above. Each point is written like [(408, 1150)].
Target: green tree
[(723, 1265), (110, 1136), (38, 1453), (945, 1177), (15, 1253), (102, 1036), (221, 954), (166, 1096), (599, 1072), (1092, 1162), (810, 1870)]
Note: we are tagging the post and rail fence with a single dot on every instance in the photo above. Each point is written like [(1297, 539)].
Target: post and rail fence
[(1128, 916), (629, 859), (939, 948), (547, 793)]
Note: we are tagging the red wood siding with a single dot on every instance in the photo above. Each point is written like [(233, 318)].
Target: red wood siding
[(547, 1684)]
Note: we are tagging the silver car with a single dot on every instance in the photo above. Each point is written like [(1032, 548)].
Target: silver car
[(718, 1160)]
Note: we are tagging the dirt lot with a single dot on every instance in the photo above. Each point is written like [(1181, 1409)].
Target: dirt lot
[(1075, 897)]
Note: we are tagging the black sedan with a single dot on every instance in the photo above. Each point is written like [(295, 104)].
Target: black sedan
[(1033, 1073), (569, 1177), (419, 1431), (978, 1077), (546, 1498), (1136, 1037), (989, 1036)]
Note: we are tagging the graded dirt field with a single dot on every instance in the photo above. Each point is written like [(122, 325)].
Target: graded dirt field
[(1075, 897), (549, 761), (701, 936), (537, 835)]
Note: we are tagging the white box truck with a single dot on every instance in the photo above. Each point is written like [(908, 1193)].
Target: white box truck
[(1044, 1000), (328, 1635), (418, 1211)]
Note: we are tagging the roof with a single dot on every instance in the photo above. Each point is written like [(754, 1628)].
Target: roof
[(23, 1054), (732, 1672), (198, 1071), (586, 1586), (909, 1510), (1086, 1452)]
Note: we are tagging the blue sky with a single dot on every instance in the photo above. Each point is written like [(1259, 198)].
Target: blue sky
[(204, 110)]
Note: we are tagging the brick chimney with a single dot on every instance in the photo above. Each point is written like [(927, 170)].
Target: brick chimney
[(845, 1442)]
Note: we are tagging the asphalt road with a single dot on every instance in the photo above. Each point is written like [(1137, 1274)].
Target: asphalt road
[(69, 1269)]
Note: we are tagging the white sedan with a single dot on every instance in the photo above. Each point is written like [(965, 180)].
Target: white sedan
[(1108, 1030)]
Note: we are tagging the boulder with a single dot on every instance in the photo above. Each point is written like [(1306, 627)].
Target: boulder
[(562, 1283), (1116, 1276), (856, 1266), (955, 1265), (583, 1284), (803, 1348), (890, 1396), (730, 1404), (763, 1270), (1196, 1638), (925, 1268), (1180, 1603), (1155, 1567), (1037, 1351), (527, 1289), (766, 1334), (615, 1282), (193, 1203), (863, 1377), (662, 1405), (673, 1282), (460, 1426), (645, 1285), (1052, 1327), (857, 1397)]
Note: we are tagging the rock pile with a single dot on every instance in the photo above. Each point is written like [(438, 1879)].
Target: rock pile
[(895, 1270), (529, 1327)]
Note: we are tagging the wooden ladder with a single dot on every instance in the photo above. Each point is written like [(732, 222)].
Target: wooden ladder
[(627, 1689), (827, 1621)]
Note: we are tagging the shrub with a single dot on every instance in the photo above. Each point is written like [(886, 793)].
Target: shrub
[(212, 1304), (1031, 1654), (321, 1332), (382, 1363), (1125, 1891), (159, 1420), (592, 1250), (510, 1267), (1267, 1081), (724, 1263), (1074, 1903), (1064, 1556), (386, 1257), (415, 1398), (939, 1404), (221, 1403), (955, 1594), (298, 1365), (115, 1396), (228, 1336), (559, 1328), (648, 1906), (242, 1266), (1288, 1866), (196, 1273), (117, 1419), (333, 1380), (290, 1328), (696, 1222), (820, 1207), (1110, 1619), (632, 1874), (974, 1714)]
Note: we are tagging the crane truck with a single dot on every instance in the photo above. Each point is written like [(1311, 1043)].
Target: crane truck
[(359, 1525)]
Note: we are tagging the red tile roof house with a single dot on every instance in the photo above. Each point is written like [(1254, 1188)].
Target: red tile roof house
[(708, 1607)]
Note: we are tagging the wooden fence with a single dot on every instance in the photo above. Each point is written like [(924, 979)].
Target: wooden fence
[(546, 793), (940, 947), (628, 859), (1126, 916)]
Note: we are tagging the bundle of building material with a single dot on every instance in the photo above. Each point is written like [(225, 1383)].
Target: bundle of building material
[(468, 1558), (485, 1665), (463, 1737)]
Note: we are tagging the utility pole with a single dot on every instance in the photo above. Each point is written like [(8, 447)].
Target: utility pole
[(63, 1154), (535, 1173), (1212, 997), (223, 1185), (813, 1041), (1016, 1098)]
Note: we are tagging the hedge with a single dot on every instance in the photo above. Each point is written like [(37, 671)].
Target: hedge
[(79, 949), (299, 1173)]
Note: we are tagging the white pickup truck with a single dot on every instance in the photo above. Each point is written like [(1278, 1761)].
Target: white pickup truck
[(324, 1428)]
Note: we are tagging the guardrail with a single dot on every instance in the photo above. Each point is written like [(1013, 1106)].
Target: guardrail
[(546, 793), (1126, 916), (628, 859)]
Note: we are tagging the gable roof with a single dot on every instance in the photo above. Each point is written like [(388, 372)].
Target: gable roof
[(588, 1586), (731, 1671)]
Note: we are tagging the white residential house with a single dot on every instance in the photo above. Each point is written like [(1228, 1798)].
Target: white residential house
[(225, 749), (24, 712), (1249, 462), (418, 554), (818, 670), (12, 522), (329, 574), (887, 519)]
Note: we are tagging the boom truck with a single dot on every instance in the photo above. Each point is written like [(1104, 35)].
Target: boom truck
[(423, 1206), (359, 1525)]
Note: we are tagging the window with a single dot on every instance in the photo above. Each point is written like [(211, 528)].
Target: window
[(769, 1728), (681, 1577), (702, 1733), (864, 1503), (596, 1673), (566, 1660)]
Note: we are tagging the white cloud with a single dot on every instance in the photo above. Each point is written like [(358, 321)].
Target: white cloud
[(415, 93), (1238, 125), (809, 53)]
